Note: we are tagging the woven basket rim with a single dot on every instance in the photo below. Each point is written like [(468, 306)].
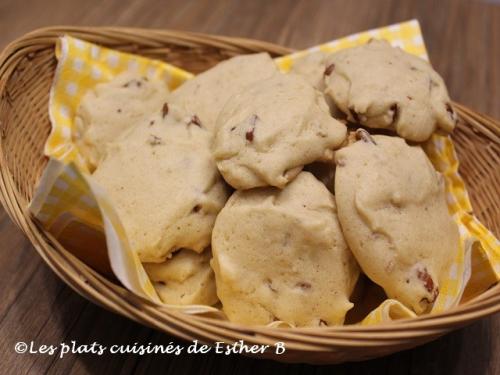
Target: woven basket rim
[(95, 287)]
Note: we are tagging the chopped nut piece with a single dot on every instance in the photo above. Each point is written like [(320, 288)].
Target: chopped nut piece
[(304, 285), (329, 69), (195, 120), (363, 135), (429, 285), (164, 110), (249, 135), (424, 276)]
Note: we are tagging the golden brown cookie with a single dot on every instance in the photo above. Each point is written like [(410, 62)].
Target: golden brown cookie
[(379, 86), (184, 279), (270, 130), (163, 182), (112, 108), (207, 93), (392, 209), (280, 255)]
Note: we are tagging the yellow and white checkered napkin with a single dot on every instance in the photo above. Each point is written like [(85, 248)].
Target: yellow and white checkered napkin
[(66, 194)]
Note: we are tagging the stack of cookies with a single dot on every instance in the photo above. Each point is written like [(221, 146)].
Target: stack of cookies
[(271, 193)]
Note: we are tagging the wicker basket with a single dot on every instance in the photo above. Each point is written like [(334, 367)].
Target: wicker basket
[(26, 70)]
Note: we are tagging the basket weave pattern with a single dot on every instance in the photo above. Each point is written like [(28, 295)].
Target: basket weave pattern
[(26, 70)]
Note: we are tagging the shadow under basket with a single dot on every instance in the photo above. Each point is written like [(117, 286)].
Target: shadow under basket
[(26, 70)]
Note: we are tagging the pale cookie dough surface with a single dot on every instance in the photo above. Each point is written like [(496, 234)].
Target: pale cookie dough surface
[(111, 109), (384, 87), (164, 184), (269, 131), (280, 255), (392, 209), (206, 94), (185, 279), (312, 68)]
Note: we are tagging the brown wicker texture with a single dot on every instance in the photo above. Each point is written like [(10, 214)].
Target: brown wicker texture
[(26, 70)]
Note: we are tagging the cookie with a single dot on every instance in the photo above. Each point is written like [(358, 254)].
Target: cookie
[(112, 108), (392, 209), (185, 279), (163, 181), (206, 94), (379, 86), (270, 130), (280, 255)]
